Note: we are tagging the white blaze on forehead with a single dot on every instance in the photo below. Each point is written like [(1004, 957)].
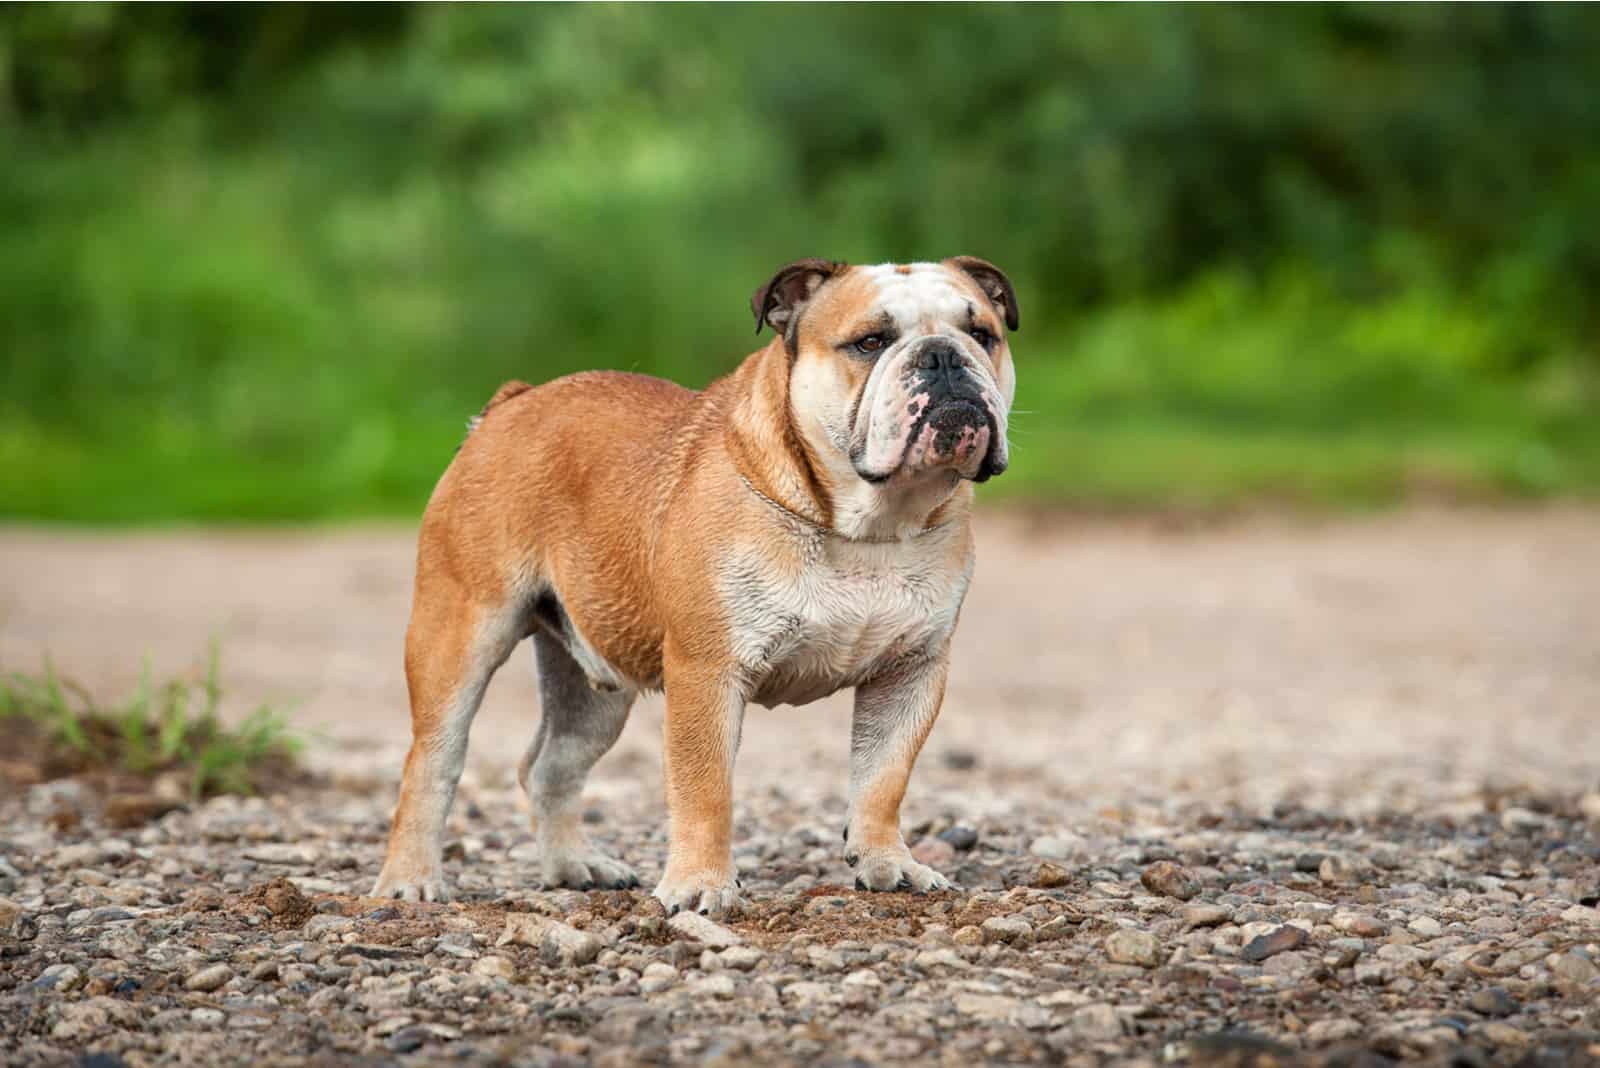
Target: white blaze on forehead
[(919, 293)]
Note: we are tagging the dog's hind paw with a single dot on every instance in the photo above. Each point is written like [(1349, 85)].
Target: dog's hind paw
[(586, 870)]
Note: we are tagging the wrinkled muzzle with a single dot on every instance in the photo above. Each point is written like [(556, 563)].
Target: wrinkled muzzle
[(928, 407)]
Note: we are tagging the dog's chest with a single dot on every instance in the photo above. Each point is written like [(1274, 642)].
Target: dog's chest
[(848, 610)]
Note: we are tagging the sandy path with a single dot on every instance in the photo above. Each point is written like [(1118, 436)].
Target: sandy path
[(1340, 663)]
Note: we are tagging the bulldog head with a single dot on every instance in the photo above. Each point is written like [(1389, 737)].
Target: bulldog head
[(900, 375)]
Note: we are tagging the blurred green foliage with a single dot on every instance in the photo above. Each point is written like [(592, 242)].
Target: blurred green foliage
[(262, 261)]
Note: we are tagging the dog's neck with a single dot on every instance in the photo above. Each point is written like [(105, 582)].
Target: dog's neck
[(771, 454), (813, 482)]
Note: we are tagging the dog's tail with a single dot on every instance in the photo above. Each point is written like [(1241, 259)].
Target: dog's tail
[(501, 395)]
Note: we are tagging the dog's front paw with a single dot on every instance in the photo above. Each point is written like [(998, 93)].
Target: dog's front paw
[(891, 868), (420, 885), (710, 893), (585, 869)]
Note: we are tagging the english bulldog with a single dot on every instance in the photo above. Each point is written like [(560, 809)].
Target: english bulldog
[(799, 526)]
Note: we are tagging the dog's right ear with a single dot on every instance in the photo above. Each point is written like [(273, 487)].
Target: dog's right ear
[(780, 300)]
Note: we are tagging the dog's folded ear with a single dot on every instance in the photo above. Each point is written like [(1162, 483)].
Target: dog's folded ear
[(785, 294), (994, 283)]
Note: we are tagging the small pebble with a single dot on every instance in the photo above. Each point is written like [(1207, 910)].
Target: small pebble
[(1575, 967), (208, 979), (1169, 880), (1049, 876), (494, 967), (714, 986), (1128, 946), (961, 839), (936, 853), (741, 958), (1008, 929), (1336, 868), (968, 936), (1272, 943), (1056, 847), (1492, 1001), (1204, 915), (705, 930), (1425, 927)]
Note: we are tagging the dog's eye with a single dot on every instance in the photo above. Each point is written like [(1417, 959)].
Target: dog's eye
[(982, 337), (871, 343)]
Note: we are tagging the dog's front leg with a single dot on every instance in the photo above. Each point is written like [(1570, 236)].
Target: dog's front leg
[(893, 715), (705, 712)]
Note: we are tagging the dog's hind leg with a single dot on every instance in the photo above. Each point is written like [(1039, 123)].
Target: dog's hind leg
[(579, 725), (453, 646)]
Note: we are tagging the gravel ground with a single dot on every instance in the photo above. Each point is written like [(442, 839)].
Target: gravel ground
[(1269, 792)]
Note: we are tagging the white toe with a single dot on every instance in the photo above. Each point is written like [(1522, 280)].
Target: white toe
[(893, 869), (711, 894), (586, 870), (411, 888)]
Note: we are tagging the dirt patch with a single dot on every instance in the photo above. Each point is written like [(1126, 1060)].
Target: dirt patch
[(37, 752), (832, 914), (826, 915), (282, 900)]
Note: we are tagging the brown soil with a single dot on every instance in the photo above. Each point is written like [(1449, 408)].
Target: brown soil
[(767, 921), (37, 753)]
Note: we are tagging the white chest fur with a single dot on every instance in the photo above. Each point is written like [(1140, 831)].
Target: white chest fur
[(841, 610)]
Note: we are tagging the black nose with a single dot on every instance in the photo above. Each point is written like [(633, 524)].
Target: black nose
[(938, 355)]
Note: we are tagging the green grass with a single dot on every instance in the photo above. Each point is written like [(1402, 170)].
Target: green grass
[(172, 726)]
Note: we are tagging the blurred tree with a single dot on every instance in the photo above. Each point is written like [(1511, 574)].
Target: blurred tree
[(80, 63), (267, 232)]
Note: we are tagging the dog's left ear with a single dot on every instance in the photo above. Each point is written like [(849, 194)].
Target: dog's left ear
[(994, 283), (780, 300)]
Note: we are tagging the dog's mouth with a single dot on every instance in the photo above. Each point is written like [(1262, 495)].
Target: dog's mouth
[(956, 433)]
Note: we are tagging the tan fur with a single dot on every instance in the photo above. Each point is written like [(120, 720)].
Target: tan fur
[(715, 544)]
